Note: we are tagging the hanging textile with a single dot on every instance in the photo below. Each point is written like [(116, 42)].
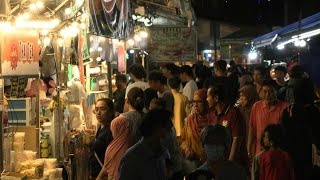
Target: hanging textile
[(111, 18)]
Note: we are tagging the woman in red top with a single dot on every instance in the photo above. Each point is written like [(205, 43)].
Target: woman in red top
[(275, 164)]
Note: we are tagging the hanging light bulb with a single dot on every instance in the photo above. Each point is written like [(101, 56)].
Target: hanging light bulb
[(302, 43), (46, 41), (68, 11), (99, 49), (64, 33), (75, 24), (137, 38), (83, 26), (39, 4), (131, 42), (33, 7), (45, 32), (98, 59), (143, 34), (55, 22), (26, 15)]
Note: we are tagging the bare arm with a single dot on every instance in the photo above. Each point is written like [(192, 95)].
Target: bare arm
[(251, 146), (234, 147)]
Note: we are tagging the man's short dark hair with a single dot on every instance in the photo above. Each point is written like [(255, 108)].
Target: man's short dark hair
[(174, 69), (156, 75), (270, 83), (155, 119), (262, 70), (217, 131), (275, 134), (175, 83), (281, 69), (138, 71), (296, 72), (220, 91), (186, 69), (121, 78), (221, 65)]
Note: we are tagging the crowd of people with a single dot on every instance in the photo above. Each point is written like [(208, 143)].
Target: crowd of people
[(193, 122)]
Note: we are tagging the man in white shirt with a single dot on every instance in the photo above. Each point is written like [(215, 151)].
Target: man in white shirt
[(186, 75), (158, 82), (138, 74)]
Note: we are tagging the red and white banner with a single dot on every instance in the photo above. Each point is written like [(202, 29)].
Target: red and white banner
[(19, 53)]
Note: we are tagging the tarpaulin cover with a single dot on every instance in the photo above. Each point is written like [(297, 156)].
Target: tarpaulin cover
[(111, 18), (305, 23)]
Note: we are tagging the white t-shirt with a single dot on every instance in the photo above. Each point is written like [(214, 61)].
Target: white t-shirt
[(190, 89), (140, 84)]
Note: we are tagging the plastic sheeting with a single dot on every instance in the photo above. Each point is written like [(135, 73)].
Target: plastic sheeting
[(111, 18)]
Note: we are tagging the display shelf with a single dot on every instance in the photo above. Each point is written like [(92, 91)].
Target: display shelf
[(19, 111)]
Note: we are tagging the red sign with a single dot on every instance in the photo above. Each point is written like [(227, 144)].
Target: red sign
[(19, 53), (121, 58)]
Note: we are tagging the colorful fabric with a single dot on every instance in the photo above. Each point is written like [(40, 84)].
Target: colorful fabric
[(193, 129), (125, 134)]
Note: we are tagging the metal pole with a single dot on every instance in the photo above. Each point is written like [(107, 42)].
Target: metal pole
[(1, 126), (230, 48), (37, 116), (109, 75)]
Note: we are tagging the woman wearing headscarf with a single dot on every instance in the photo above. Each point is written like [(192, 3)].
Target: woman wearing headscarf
[(125, 134), (248, 96), (196, 122)]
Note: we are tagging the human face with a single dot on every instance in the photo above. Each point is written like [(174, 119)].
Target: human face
[(183, 77), (266, 141), (279, 75), (199, 105), (102, 112), (257, 77), (211, 99), (166, 72), (268, 94), (154, 85), (243, 99)]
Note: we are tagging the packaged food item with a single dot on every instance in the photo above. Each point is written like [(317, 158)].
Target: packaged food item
[(44, 152), (19, 137), (18, 157), (30, 155), (50, 163), (18, 146), (59, 173)]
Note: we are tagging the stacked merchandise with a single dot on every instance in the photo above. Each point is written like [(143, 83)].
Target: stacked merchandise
[(45, 146), (17, 153), (50, 170)]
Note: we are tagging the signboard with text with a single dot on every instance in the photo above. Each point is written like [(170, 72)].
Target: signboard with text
[(19, 53), (172, 44)]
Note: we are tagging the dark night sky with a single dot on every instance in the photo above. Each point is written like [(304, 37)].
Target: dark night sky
[(254, 12)]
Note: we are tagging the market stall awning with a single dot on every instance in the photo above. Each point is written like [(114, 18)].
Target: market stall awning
[(269, 38)]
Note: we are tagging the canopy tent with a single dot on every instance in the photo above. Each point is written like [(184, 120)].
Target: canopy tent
[(307, 24)]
